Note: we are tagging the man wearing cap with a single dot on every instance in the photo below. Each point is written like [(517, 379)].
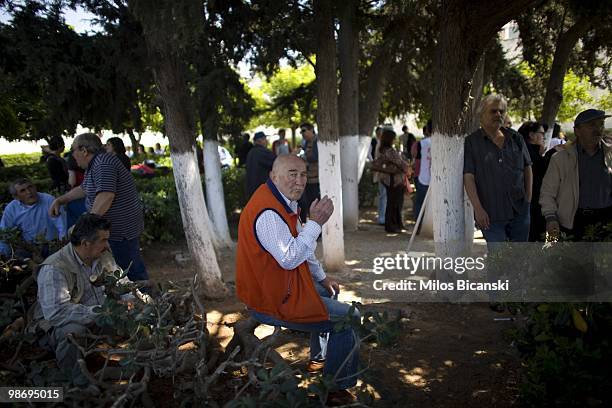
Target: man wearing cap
[(577, 188), (258, 164)]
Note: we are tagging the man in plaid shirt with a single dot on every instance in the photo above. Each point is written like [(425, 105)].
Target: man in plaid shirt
[(66, 296)]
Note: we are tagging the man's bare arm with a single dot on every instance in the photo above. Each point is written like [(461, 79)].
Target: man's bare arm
[(74, 194), (469, 183)]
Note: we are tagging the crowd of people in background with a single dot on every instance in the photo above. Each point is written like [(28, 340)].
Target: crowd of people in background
[(525, 206), (520, 187)]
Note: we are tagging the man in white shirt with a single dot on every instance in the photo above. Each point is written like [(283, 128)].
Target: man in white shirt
[(424, 175), (279, 278)]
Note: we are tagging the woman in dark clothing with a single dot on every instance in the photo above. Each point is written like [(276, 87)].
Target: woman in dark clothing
[(392, 169), (533, 133), (115, 146), (57, 167)]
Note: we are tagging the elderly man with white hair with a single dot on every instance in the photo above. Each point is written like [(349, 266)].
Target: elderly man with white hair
[(497, 175)]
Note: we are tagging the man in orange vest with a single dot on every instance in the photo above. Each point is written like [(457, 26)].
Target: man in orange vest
[(279, 278)]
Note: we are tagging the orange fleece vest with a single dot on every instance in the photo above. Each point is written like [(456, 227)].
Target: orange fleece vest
[(261, 283)]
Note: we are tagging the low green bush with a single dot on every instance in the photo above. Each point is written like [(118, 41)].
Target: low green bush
[(20, 159), (31, 171), (566, 354), (234, 190), (368, 189)]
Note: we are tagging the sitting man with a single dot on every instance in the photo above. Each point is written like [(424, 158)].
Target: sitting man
[(29, 212), (281, 281), (66, 297)]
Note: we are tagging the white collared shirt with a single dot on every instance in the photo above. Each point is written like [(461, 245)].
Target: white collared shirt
[(289, 251)]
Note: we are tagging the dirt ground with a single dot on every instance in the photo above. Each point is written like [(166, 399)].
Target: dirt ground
[(448, 355)]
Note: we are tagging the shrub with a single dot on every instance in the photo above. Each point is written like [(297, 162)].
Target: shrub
[(368, 189), (234, 190), (32, 171), (566, 351), (21, 159)]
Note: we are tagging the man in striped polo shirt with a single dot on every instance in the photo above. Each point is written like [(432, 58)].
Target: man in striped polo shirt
[(109, 191)]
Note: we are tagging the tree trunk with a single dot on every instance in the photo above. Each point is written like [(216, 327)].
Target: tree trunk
[(554, 88), (134, 140), (370, 103), (181, 135), (348, 103), (214, 193), (170, 79), (328, 144), (465, 29), (213, 179)]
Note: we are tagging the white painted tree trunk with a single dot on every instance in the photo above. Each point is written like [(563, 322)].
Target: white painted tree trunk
[(330, 182), (195, 222), (364, 147), (447, 201), (349, 150), (548, 137), (214, 194)]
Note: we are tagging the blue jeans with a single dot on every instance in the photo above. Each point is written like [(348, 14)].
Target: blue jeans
[(514, 230), (382, 203), (421, 190), (127, 252), (325, 343)]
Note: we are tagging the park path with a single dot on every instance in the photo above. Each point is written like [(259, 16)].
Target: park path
[(447, 355)]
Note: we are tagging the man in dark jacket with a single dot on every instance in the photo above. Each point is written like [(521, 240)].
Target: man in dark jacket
[(258, 164)]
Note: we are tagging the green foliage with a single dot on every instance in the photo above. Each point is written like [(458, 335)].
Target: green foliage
[(20, 159), (368, 189), (287, 98), (566, 351), (576, 97), (382, 328), (234, 190), (605, 101), (31, 171), (161, 209)]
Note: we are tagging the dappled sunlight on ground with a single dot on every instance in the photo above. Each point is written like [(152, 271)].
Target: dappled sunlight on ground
[(448, 355)]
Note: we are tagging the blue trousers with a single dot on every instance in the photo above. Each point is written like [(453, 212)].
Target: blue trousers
[(325, 343), (127, 252), (514, 230), (74, 210)]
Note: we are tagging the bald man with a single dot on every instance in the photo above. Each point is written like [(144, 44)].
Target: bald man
[(278, 276)]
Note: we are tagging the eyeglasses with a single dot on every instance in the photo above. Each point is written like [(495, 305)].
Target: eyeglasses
[(303, 130)]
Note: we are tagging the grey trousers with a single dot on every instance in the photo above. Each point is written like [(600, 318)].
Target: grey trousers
[(66, 353)]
